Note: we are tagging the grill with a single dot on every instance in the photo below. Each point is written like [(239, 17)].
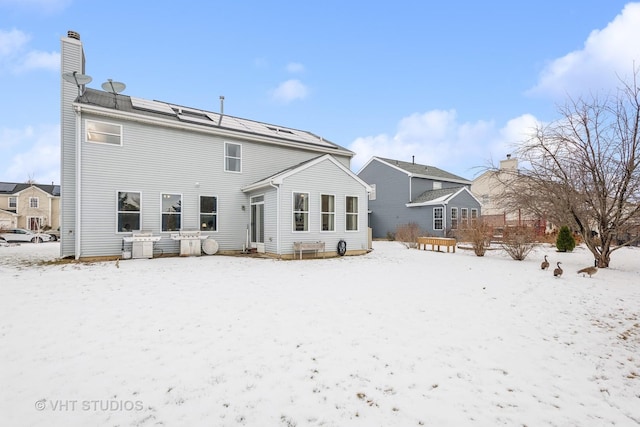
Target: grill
[(141, 244), (190, 242)]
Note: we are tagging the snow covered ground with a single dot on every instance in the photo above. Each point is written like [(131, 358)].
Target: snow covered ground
[(397, 337)]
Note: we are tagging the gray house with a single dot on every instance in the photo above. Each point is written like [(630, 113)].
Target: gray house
[(408, 192), (132, 164)]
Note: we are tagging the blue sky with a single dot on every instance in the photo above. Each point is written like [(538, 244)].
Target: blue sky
[(454, 84)]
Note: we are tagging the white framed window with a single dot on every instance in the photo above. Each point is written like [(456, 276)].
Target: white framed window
[(13, 202), (454, 218), (171, 205), (103, 132), (128, 211), (351, 213), (232, 157), (437, 185), (300, 211), (34, 202), (474, 216), (437, 219), (372, 195), (327, 212), (208, 213), (464, 216)]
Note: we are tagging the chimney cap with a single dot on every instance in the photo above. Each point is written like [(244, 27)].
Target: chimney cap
[(73, 35)]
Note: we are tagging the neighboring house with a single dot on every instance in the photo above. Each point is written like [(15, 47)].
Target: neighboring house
[(408, 192), (488, 188), (135, 164), (31, 206)]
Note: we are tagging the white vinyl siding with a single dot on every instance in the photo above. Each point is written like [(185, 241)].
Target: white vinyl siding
[(103, 132)]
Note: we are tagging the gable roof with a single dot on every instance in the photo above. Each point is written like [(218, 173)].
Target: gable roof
[(419, 171), (11, 188), (194, 118), (279, 177), (441, 196)]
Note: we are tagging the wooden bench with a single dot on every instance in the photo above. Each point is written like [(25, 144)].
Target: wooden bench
[(437, 241), (308, 246)]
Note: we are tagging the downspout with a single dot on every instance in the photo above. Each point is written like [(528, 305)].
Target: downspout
[(444, 220), (277, 216), (78, 223)]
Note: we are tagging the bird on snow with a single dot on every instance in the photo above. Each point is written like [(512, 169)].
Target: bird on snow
[(557, 272), (545, 263), (588, 270)]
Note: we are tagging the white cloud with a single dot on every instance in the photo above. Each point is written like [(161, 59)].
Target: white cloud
[(15, 56), (294, 67), (41, 161), (11, 42), (289, 91), (608, 55), (436, 138)]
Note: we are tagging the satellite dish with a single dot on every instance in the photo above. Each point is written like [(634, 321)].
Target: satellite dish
[(115, 88), (77, 79)]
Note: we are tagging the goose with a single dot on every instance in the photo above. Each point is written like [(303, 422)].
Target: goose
[(588, 270), (545, 263), (557, 272)]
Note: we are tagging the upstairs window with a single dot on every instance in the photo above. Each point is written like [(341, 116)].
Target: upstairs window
[(300, 211), (232, 157), (351, 212), (128, 211), (171, 212), (437, 185), (34, 202), (13, 202), (103, 132), (208, 213), (328, 212), (474, 216)]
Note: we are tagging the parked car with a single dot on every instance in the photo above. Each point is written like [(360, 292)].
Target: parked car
[(55, 235), (22, 235)]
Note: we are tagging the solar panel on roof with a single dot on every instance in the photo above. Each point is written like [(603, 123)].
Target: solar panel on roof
[(145, 104), (7, 187)]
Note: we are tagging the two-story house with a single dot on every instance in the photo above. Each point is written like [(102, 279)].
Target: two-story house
[(133, 164), (408, 192), (29, 205)]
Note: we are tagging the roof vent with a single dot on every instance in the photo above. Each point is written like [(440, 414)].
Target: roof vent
[(73, 35)]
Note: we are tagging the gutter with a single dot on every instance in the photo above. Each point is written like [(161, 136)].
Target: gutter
[(277, 187), (78, 222)]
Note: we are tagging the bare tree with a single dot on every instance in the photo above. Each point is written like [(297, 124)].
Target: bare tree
[(584, 170)]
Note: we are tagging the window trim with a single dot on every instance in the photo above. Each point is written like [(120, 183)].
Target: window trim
[(474, 216), (294, 211), (331, 213), (86, 133), (454, 219), (162, 213), (441, 218), (216, 214), (37, 204), (226, 156), (118, 212), (15, 202), (464, 216), (356, 214)]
